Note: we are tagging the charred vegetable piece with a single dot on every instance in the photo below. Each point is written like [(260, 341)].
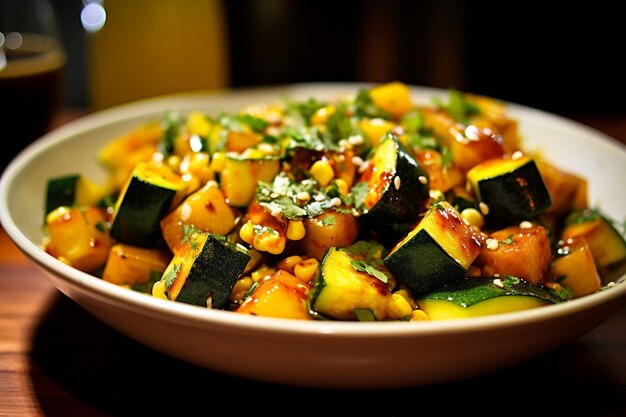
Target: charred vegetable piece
[(347, 282), (481, 296), (331, 228), (512, 190), (279, 295), (147, 197), (204, 270), (437, 251), (524, 252), (398, 189), (606, 243)]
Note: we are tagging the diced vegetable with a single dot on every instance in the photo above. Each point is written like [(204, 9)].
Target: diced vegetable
[(522, 251), (148, 196), (398, 189), (280, 295), (606, 243), (474, 297), (510, 190), (344, 284), (78, 236), (203, 271), (437, 251), (132, 265), (575, 268)]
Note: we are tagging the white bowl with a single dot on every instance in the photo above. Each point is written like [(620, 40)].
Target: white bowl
[(317, 353)]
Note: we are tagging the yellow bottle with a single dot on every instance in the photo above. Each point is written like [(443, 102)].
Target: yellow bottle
[(154, 47)]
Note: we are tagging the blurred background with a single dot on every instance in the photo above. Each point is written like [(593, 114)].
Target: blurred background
[(566, 61), (561, 60)]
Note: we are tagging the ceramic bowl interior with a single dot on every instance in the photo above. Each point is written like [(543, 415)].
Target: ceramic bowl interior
[(317, 353)]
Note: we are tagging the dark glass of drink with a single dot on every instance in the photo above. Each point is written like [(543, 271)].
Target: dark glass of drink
[(32, 62)]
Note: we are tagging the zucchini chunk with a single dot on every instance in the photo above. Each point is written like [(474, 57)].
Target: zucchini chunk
[(147, 197), (279, 295), (398, 188), (481, 296), (72, 190), (134, 266), (523, 252), (205, 209), (204, 270), (241, 175), (79, 237), (344, 284), (575, 268), (512, 189), (606, 243), (437, 251)]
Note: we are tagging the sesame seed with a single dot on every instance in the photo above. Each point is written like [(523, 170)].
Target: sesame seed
[(355, 140), (497, 282), (364, 166), (525, 225), (356, 160), (185, 212), (492, 244), (496, 275), (335, 201), (265, 148), (276, 212), (610, 284), (423, 179), (484, 208), (303, 195), (517, 155), (274, 195), (319, 197), (397, 182)]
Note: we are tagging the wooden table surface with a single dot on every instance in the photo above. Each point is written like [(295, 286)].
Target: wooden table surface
[(57, 359)]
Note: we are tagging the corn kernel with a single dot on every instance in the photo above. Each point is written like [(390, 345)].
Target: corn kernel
[(419, 315), (218, 161), (263, 272), (269, 242), (342, 185), (241, 287), (405, 294), (198, 123), (158, 290), (322, 172), (473, 217), (295, 230), (398, 307), (174, 162), (246, 233), (306, 269), (320, 117), (288, 264)]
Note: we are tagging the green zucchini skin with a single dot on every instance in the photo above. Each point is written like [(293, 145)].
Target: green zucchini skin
[(514, 196), (143, 206), (423, 265), (213, 273), (473, 290), (398, 209), (61, 191), (339, 291)]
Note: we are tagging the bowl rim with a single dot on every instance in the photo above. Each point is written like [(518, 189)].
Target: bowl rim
[(191, 315)]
